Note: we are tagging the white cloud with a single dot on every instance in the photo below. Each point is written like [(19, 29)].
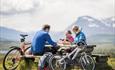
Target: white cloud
[(113, 19), (114, 25), (58, 13), (16, 6)]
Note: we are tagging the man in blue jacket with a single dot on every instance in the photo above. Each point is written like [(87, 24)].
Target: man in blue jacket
[(38, 45), (40, 39)]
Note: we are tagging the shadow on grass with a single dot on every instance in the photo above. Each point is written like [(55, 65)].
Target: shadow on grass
[(27, 64), (103, 66)]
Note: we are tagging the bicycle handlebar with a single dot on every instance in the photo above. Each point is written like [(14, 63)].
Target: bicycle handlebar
[(23, 35)]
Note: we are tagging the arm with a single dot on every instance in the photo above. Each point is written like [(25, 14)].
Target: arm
[(50, 41), (81, 39)]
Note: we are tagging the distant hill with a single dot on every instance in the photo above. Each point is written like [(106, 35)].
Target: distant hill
[(97, 31), (54, 35), (9, 34), (10, 37), (101, 39), (93, 26)]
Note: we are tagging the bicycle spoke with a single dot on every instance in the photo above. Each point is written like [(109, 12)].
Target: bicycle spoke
[(87, 62), (12, 60)]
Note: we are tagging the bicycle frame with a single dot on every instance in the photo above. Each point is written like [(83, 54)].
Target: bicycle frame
[(74, 53)]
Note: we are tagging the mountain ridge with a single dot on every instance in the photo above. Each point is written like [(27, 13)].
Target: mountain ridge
[(83, 21)]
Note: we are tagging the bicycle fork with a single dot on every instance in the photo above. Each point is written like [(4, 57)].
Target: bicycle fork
[(74, 53), (85, 60)]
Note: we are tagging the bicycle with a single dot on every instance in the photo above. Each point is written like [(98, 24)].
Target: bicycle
[(74, 58), (12, 57)]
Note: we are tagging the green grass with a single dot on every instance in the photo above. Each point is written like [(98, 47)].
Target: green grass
[(105, 49), (29, 64), (1, 60), (100, 49), (104, 66)]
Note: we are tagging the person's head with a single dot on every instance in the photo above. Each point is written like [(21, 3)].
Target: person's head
[(76, 29), (68, 33), (46, 27)]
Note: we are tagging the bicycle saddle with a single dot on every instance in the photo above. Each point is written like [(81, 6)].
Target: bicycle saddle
[(23, 35)]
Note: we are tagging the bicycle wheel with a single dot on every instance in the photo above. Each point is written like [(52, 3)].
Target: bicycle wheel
[(56, 65), (12, 59), (87, 62)]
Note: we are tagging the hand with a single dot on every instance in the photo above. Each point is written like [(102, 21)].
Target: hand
[(60, 44)]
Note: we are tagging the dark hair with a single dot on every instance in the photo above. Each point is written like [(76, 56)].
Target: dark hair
[(76, 28), (69, 32), (46, 26)]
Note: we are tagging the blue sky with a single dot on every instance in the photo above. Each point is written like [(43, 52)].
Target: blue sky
[(30, 15)]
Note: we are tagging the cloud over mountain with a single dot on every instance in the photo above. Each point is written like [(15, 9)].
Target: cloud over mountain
[(8, 7)]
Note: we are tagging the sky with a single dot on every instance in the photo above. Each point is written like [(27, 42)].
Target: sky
[(30, 15)]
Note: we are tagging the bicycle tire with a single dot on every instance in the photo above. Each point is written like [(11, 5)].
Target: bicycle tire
[(87, 60), (51, 64), (6, 56)]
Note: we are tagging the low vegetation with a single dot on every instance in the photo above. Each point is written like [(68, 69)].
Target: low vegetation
[(100, 49)]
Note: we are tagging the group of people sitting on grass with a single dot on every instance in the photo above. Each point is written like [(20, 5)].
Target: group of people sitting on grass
[(42, 36)]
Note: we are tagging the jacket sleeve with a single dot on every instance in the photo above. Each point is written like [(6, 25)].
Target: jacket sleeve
[(50, 41), (82, 38)]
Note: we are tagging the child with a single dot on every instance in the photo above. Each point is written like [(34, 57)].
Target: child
[(69, 39), (69, 36)]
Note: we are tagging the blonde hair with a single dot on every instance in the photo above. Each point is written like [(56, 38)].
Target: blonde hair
[(76, 28)]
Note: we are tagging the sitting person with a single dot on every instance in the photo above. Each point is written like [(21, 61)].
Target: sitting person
[(69, 39), (80, 38), (69, 36), (38, 44), (40, 39)]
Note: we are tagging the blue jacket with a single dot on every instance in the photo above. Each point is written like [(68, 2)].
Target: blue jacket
[(39, 41), (80, 37)]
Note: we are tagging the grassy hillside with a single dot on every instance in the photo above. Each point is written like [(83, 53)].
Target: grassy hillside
[(105, 49), (6, 44)]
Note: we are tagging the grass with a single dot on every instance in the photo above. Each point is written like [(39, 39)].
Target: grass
[(110, 65), (101, 48), (1, 60), (107, 49), (30, 65)]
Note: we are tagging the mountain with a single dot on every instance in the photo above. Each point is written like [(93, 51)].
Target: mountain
[(9, 34), (57, 35), (96, 30), (92, 26), (54, 35), (102, 39)]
